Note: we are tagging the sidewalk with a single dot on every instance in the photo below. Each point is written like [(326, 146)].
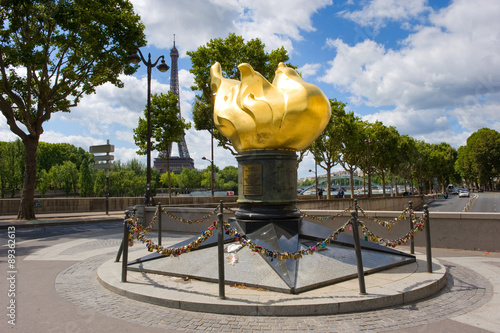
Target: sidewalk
[(61, 219), (69, 295)]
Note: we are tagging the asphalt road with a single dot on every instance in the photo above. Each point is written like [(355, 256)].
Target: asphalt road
[(486, 202)]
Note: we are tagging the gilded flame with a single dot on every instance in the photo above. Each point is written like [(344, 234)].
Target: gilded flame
[(288, 114)]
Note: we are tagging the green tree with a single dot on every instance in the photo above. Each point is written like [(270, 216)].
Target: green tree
[(189, 178), (206, 178), (442, 158), (464, 165), (352, 151), (229, 52), (11, 167), (174, 181), (65, 177), (408, 158), (43, 182), (86, 178), (479, 161), (384, 149), (49, 154), (166, 127), (228, 178), (327, 147), (100, 183), (136, 166), (54, 53)]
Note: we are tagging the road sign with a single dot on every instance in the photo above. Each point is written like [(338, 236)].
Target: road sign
[(103, 166), (99, 158), (102, 149)]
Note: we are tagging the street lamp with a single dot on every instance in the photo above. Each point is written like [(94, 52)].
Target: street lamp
[(212, 176), (162, 67), (315, 176), (368, 166)]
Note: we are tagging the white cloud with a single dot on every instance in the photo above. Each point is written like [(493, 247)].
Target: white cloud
[(277, 23), (309, 70), (377, 13), (478, 116), (5, 132), (126, 136), (199, 145), (111, 107), (77, 140), (412, 122), (195, 22), (441, 70)]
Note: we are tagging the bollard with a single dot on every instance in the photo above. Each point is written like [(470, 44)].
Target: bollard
[(125, 250), (220, 252), (119, 254), (428, 239), (159, 223), (120, 250), (357, 248), (412, 243)]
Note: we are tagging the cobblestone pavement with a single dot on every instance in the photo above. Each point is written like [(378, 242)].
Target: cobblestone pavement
[(465, 291)]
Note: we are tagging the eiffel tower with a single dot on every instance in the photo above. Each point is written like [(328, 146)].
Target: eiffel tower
[(177, 163)]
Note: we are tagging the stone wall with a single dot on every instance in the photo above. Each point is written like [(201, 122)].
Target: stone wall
[(74, 205)]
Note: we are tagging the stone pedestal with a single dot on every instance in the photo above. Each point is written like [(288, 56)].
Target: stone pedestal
[(267, 185)]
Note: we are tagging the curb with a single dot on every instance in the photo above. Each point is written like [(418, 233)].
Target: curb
[(340, 298)]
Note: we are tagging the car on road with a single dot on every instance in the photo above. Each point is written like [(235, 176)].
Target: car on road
[(463, 193)]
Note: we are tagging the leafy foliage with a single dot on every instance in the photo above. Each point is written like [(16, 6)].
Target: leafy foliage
[(479, 161), (53, 53), (166, 126)]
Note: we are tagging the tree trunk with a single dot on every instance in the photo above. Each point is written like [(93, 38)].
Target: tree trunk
[(351, 181), (383, 183), (26, 207), (169, 182), (329, 183)]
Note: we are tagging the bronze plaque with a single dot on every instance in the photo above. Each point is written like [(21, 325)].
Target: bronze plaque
[(252, 179)]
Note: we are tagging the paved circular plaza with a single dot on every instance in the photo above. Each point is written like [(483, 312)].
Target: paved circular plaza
[(465, 292)]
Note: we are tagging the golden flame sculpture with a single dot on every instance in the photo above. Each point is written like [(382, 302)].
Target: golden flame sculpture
[(288, 114)]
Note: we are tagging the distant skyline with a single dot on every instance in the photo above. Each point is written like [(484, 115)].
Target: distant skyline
[(429, 68)]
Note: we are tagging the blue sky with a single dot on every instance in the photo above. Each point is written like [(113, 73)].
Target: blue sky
[(429, 68)]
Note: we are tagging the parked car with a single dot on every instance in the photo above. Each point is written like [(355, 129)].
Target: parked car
[(463, 194)]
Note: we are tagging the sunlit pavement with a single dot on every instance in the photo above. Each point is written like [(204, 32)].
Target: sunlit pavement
[(57, 290)]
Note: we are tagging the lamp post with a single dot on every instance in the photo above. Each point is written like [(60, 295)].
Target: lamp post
[(368, 167), (162, 67), (315, 176), (212, 174)]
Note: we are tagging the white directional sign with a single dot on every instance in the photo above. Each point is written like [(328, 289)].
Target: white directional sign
[(107, 148), (103, 166), (99, 158), (102, 149), (104, 162)]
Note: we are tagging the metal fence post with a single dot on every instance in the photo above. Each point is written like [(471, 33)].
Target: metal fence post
[(220, 243), (159, 223), (125, 250), (357, 248), (412, 243), (428, 239), (120, 250)]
